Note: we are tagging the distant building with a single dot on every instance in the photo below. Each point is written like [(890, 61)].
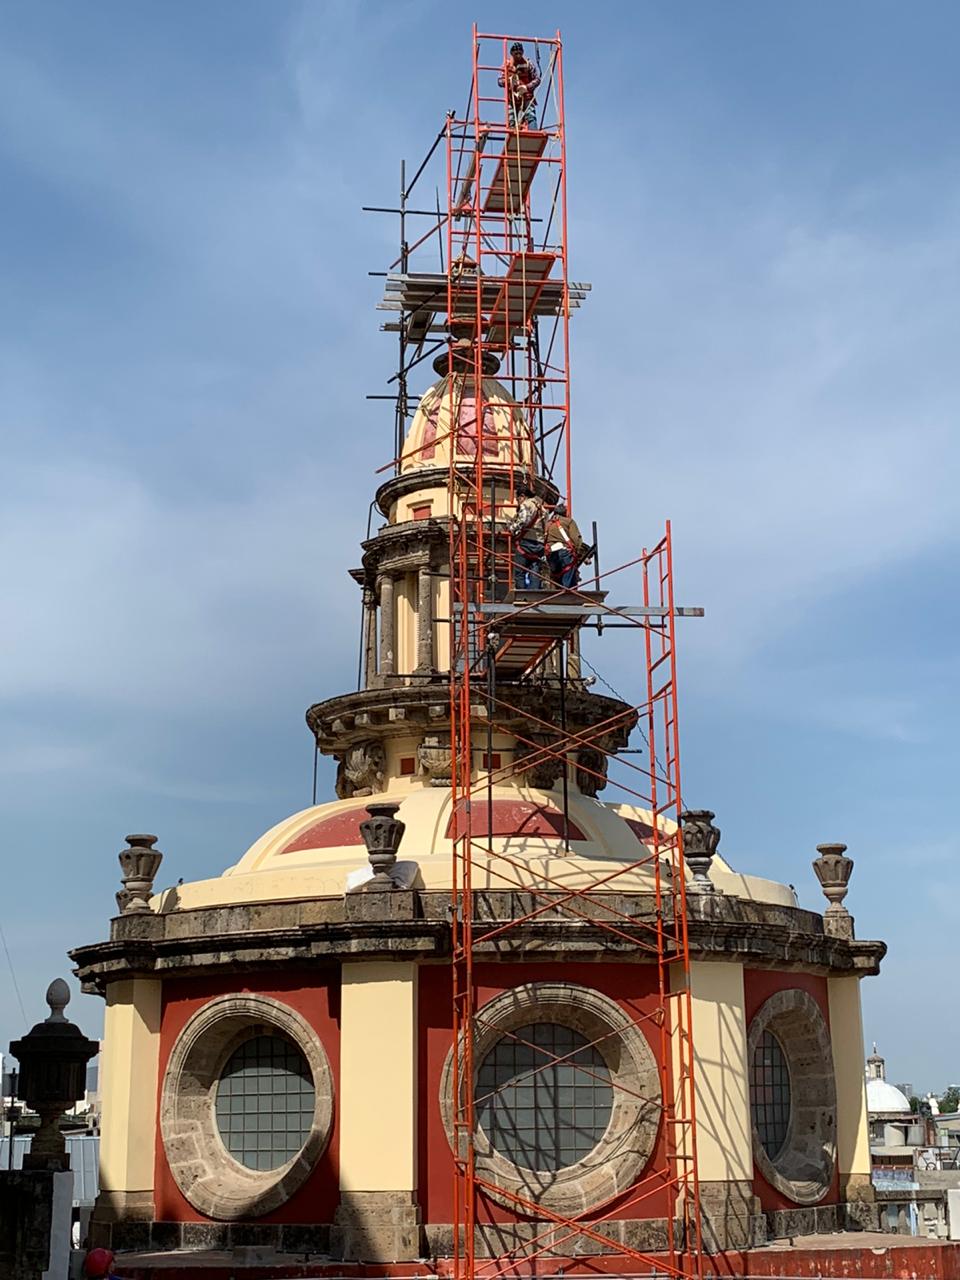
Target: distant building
[(914, 1160)]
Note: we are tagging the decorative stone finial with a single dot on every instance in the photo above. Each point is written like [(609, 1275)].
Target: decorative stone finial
[(833, 871), (382, 833), (53, 1061), (700, 840), (58, 997), (139, 865)]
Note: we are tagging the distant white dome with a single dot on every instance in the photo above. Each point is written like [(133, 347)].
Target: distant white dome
[(882, 1096)]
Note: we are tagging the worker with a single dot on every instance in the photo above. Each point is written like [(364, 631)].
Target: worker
[(528, 529), (98, 1265), (565, 546), (520, 78)]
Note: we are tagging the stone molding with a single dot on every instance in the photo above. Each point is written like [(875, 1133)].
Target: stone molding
[(415, 925), (618, 1159), (803, 1169), (551, 1239), (214, 1182), (411, 544), (423, 478), (402, 705)]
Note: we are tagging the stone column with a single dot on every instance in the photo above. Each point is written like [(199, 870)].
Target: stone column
[(128, 1087), (853, 1134), (388, 627), (369, 637), (574, 671), (424, 620), (378, 1219), (724, 1129)]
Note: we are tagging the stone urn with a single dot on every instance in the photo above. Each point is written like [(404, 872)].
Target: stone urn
[(139, 865), (700, 840), (833, 870), (382, 833), (53, 1061)]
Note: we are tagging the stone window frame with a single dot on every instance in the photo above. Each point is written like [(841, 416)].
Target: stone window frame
[(212, 1180), (804, 1168), (617, 1161)]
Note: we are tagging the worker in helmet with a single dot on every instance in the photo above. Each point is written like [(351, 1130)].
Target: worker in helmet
[(528, 529), (520, 78), (564, 545)]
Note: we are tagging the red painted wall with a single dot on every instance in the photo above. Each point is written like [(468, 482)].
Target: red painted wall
[(631, 986), (315, 995), (759, 985)]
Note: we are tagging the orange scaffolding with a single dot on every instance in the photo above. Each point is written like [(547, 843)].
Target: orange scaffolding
[(503, 299)]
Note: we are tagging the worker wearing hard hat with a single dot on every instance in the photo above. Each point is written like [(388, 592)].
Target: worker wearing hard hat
[(565, 546), (520, 78)]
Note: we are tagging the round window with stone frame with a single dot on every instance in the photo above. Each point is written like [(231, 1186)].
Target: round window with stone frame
[(793, 1097), (566, 1093), (247, 1106)]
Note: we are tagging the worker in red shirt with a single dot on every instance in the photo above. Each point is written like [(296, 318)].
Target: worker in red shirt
[(520, 78)]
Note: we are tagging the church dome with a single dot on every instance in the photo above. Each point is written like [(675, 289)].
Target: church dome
[(504, 436), (882, 1096), (319, 852)]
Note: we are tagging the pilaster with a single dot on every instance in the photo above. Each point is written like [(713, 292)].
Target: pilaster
[(721, 1078), (129, 1076), (853, 1134), (378, 1219)]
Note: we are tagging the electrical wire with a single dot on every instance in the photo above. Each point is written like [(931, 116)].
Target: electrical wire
[(13, 975), (620, 698)]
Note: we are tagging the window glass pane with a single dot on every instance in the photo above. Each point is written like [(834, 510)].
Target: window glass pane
[(544, 1096), (265, 1102), (770, 1094)]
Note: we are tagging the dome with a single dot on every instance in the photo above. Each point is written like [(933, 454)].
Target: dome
[(319, 851), (882, 1096), (505, 436)]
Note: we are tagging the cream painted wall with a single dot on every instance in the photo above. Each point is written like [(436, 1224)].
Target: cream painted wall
[(441, 611), (846, 1035), (724, 1133), (405, 595), (128, 1085), (378, 1077)]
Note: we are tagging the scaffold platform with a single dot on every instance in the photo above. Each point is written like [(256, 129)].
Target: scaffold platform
[(526, 292)]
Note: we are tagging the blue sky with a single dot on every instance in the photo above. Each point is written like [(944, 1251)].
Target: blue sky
[(765, 198)]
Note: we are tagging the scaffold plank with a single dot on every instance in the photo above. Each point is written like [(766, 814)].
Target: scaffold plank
[(520, 291), (423, 297), (515, 169)]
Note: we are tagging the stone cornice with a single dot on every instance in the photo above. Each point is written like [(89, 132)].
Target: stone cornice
[(407, 482), (406, 546), (415, 925), (399, 708)]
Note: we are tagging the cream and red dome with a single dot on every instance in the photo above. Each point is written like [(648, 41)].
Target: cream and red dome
[(503, 435), (314, 853)]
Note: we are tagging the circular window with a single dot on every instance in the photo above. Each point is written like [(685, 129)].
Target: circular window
[(566, 1094), (247, 1106), (770, 1094), (793, 1096), (265, 1100), (544, 1097)]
